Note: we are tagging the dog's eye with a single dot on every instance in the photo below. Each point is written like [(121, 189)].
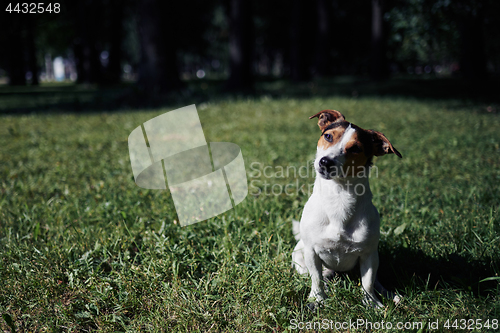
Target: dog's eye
[(354, 150), (328, 137)]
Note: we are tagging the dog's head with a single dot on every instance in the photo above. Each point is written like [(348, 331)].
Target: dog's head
[(347, 150)]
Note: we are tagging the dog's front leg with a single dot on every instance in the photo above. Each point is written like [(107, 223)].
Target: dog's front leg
[(369, 266), (314, 265)]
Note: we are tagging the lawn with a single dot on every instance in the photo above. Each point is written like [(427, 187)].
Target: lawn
[(83, 248)]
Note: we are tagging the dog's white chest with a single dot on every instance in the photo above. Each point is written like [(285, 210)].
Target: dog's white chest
[(339, 247), (339, 227)]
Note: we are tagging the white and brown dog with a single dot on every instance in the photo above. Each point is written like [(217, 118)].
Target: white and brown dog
[(340, 226)]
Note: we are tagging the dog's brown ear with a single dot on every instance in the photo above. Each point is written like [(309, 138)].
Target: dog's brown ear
[(382, 145), (326, 117)]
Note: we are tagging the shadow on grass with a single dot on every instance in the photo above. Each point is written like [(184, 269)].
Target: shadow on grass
[(401, 267), (87, 98)]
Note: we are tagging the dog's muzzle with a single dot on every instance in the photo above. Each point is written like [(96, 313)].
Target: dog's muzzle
[(329, 167)]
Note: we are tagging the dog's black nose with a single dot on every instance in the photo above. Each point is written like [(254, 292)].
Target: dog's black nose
[(325, 162), (328, 167)]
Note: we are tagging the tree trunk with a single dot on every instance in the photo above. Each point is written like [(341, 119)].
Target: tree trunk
[(300, 43), (81, 46), (473, 57), (158, 68), (88, 25), (240, 45), (32, 63), (115, 52), (323, 38), (96, 72), (16, 51), (378, 66)]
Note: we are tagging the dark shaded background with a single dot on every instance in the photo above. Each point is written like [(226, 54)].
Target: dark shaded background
[(128, 53)]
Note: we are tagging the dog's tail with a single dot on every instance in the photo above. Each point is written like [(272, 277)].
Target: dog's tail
[(296, 229)]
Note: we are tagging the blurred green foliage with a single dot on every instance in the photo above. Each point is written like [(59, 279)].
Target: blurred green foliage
[(417, 33)]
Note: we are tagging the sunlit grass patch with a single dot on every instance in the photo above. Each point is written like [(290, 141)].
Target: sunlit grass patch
[(83, 248)]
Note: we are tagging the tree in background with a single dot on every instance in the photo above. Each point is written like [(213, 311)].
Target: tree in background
[(419, 34), (441, 32), (158, 70), (116, 39), (87, 41), (302, 27), (168, 30), (19, 37), (238, 40), (31, 50), (272, 37), (378, 64), (323, 42), (470, 21), (241, 42), (350, 35), (16, 66)]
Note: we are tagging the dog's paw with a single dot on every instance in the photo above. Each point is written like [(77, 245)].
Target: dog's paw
[(316, 296), (315, 300), (372, 302), (396, 299), (312, 306)]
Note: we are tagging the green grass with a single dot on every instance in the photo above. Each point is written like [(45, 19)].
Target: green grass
[(83, 248)]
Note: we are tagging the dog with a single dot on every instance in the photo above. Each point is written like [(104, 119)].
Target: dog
[(340, 226)]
